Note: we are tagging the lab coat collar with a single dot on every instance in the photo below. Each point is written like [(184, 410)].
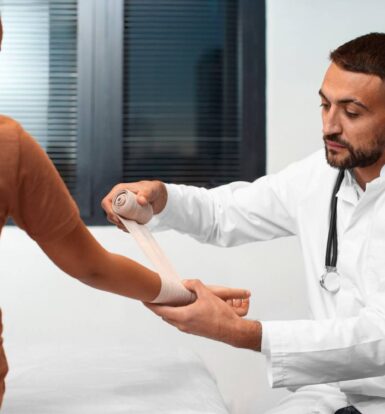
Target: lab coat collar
[(378, 184), (350, 191)]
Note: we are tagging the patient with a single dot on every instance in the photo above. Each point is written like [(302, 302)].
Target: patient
[(34, 195)]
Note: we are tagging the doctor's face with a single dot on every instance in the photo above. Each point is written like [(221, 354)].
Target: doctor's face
[(353, 118)]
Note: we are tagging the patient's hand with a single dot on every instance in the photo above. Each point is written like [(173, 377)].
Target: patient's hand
[(237, 299), (211, 317)]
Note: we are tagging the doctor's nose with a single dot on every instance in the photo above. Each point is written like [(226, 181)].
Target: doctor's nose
[(331, 124)]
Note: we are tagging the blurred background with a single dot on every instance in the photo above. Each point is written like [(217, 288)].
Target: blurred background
[(124, 90), (200, 92)]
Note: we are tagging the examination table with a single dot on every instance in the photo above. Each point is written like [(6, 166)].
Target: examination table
[(118, 380)]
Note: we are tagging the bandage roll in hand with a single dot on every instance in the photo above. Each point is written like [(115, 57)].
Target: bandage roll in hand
[(126, 206), (134, 217)]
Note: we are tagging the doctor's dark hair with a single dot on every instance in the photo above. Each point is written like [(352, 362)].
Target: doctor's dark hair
[(365, 54)]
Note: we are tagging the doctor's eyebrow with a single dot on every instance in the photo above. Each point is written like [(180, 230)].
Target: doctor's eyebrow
[(345, 101)]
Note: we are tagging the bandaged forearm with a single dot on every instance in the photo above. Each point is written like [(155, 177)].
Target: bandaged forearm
[(134, 218)]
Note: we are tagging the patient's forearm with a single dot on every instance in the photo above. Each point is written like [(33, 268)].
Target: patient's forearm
[(118, 274), (82, 257)]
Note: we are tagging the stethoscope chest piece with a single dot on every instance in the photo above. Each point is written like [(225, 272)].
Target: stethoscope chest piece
[(331, 280)]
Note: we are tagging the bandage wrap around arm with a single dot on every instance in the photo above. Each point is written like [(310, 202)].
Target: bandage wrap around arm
[(134, 217)]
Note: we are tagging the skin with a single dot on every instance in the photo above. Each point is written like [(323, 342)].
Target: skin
[(353, 117), (208, 316), (81, 256)]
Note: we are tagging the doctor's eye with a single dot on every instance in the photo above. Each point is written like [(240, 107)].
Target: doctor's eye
[(352, 115)]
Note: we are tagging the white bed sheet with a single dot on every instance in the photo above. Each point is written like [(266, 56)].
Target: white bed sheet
[(117, 380)]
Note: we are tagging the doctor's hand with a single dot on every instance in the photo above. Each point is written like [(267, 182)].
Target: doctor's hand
[(211, 317), (237, 299), (147, 192)]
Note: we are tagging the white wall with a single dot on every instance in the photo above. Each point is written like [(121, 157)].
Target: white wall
[(42, 305), (301, 33)]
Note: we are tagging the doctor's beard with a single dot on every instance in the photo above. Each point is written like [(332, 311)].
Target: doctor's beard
[(357, 157)]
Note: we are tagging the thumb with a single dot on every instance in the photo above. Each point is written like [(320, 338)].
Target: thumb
[(142, 198), (196, 286)]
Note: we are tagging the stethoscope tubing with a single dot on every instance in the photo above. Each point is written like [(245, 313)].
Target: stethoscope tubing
[(330, 279), (332, 241)]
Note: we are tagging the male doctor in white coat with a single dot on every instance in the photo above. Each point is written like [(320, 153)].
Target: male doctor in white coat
[(334, 204)]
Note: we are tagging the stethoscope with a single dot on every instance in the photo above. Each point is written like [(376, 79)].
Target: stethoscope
[(331, 279)]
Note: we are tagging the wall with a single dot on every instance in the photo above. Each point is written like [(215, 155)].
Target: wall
[(41, 305), (301, 33)]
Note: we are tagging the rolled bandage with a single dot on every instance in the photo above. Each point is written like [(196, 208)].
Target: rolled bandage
[(134, 217), (126, 206)]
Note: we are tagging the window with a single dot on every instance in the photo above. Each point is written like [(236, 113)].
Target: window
[(180, 83), (38, 76), (133, 89)]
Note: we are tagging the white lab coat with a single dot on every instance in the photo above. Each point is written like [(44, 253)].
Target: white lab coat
[(344, 342)]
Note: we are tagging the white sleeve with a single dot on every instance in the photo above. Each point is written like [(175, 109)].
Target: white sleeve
[(305, 352), (235, 213), (374, 387)]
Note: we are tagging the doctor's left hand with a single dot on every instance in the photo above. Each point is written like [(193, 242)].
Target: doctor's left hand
[(238, 299), (209, 316)]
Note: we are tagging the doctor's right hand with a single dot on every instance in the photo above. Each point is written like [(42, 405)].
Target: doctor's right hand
[(147, 192)]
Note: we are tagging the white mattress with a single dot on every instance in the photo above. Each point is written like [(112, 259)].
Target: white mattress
[(110, 381)]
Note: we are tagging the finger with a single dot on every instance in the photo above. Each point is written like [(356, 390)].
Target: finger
[(114, 219), (106, 205), (240, 306), (237, 303), (142, 199), (244, 308), (229, 293), (111, 220), (146, 190), (241, 311), (196, 286)]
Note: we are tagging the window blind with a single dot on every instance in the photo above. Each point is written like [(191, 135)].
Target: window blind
[(38, 75), (181, 116)]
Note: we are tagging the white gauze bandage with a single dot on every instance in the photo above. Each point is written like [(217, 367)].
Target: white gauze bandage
[(134, 217)]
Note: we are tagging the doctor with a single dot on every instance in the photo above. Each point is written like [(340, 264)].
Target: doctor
[(336, 206)]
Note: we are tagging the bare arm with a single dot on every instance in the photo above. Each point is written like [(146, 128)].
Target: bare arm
[(82, 257)]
